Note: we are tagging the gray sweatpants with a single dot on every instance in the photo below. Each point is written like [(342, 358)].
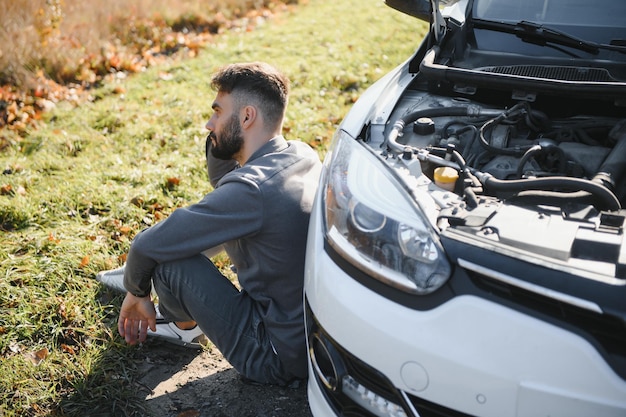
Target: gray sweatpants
[(194, 289)]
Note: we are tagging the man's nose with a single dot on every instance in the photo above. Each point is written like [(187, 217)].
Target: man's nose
[(209, 124)]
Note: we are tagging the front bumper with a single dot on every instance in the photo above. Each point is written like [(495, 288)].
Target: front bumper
[(468, 356)]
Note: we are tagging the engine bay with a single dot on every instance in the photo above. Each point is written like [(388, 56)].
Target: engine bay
[(531, 178)]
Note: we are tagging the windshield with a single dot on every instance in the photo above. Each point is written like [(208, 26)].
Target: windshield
[(596, 13)]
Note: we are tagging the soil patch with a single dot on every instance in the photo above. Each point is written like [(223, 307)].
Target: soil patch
[(182, 382)]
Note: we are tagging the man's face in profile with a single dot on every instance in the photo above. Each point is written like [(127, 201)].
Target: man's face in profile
[(226, 136)]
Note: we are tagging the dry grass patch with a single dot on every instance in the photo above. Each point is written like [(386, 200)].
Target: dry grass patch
[(76, 41), (52, 50)]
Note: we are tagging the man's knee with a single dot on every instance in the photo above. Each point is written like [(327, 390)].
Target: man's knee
[(180, 269)]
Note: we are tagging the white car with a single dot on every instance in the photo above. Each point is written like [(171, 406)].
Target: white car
[(466, 251)]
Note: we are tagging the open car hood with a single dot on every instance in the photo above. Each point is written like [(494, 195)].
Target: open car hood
[(496, 45)]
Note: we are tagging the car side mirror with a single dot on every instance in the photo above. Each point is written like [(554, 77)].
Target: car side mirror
[(416, 8)]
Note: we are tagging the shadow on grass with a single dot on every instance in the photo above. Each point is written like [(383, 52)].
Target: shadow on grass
[(165, 380), (112, 384)]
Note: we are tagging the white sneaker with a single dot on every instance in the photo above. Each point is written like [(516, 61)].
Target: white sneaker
[(113, 279), (168, 331), (159, 316)]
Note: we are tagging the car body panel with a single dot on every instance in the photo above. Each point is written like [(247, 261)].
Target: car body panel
[(463, 335), (502, 295)]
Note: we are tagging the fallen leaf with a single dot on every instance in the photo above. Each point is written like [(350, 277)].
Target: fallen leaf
[(84, 262), (37, 357), (68, 349), (125, 230), (14, 347), (61, 311), (6, 189)]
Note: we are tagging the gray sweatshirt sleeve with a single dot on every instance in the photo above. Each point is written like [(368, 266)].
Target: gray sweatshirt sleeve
[(231, 211), (217, 168)]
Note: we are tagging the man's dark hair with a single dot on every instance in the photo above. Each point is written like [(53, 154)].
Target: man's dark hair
[(255, 82)]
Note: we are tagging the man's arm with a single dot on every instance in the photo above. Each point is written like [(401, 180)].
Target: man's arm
[(227, 213), (217, 168)]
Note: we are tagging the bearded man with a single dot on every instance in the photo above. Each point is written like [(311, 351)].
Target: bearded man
[(258, 213)]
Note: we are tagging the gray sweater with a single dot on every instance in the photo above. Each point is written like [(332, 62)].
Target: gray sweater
[(260, 213)]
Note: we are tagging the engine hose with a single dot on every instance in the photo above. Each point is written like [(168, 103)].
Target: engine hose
[(524, 159), (398, 126), (543, 146), (607, 200), (553, 198), (534, 119), (611, 172), (517, 151)]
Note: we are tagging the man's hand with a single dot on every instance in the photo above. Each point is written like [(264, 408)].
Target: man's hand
[(136, 315)]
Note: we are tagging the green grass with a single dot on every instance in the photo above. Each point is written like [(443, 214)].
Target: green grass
[(76, 191)]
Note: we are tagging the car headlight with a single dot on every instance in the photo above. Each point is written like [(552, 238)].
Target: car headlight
[(371, 221)]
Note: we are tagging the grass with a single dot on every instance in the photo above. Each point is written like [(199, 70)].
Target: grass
[(76, 190)]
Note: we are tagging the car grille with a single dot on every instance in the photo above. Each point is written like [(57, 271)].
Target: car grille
[(366, 376)]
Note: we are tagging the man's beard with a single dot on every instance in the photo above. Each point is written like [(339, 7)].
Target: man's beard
[(229, 142)]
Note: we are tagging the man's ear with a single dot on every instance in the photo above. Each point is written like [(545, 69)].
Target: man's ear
[(249, 114)]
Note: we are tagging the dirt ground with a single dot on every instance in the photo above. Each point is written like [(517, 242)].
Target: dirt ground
[(183, 382)]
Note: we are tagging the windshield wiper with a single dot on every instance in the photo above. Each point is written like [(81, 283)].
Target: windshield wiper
[(541, 35)]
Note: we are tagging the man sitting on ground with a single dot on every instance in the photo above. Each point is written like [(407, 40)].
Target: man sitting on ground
[(259, 213)]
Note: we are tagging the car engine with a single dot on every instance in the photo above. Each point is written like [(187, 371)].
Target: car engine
[(545, 179)]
